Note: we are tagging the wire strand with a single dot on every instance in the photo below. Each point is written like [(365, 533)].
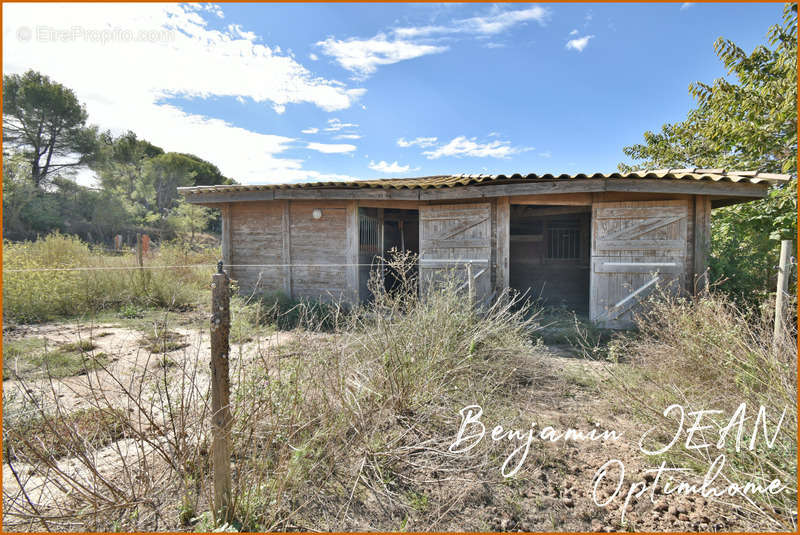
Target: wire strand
[(212, 266)]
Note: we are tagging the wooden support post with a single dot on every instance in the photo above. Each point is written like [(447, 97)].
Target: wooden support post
[(784, 274), (702, 242), (470, 286), (286, 250), (503, 245), (220, 393), (227, 235), (351, 252)]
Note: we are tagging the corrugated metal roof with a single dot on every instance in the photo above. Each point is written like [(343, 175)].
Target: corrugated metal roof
[(450, 181)]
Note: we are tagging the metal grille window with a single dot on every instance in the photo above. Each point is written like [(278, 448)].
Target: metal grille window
[(369, 235), (563, 243)]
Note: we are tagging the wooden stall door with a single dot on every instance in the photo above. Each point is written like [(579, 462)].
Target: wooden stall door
[(450, 236), (637, 247)]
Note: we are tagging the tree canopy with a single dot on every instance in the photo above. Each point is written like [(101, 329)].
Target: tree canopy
[(45, 121), (746, 123), (47, 138)]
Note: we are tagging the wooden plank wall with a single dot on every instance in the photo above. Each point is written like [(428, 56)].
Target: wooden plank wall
[(326, 244), (256, 237), (628, 238), (284, 232)]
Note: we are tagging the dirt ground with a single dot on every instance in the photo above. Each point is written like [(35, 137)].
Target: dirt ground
[(554, 491)]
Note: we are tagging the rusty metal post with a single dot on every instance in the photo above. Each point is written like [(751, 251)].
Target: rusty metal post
[(220, 393)]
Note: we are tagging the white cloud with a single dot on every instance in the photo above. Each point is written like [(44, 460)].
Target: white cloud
[(423, 142), (579, 43), (211, 8), (363, 56), (496, 22), (331, 148), (502, 21), (238, 32), (384, 167), (347, 136), (461, 146), (311, 130), (423, 31), (574, 32), (686, 5), (334, 125), (495, 45), (545, 154), (129, 90), (313, 57)]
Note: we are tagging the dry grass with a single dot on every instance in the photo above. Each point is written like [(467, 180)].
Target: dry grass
[(111, 283), (709, 354), (339, 424)]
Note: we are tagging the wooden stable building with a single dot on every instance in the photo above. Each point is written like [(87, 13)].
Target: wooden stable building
[(594, 243)]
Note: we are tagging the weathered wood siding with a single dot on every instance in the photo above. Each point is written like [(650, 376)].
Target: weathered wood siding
[(701, 241), (266, 236), (319, 250), (256, 239), (278, 246), (637, 247), (451, 235)]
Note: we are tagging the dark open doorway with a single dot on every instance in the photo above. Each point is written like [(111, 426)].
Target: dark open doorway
[(400, 233), (380, 231), (550, 254)]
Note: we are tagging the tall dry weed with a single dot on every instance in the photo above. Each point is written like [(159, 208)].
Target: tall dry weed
[(710, 354), (332, 423)]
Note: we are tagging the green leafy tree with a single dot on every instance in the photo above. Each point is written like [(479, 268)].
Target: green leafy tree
[(747, 122), (162, 177), (44, 121), (189, 218), (120, 161), (146, 178), (206, 173)]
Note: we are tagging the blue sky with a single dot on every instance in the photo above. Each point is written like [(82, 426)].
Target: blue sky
[(289, 92)]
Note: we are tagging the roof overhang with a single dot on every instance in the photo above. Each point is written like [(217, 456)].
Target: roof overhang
[(727, 187)]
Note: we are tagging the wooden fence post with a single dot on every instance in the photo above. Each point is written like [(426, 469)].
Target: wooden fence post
[(784, 274), (220, 393), (470, 286)]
